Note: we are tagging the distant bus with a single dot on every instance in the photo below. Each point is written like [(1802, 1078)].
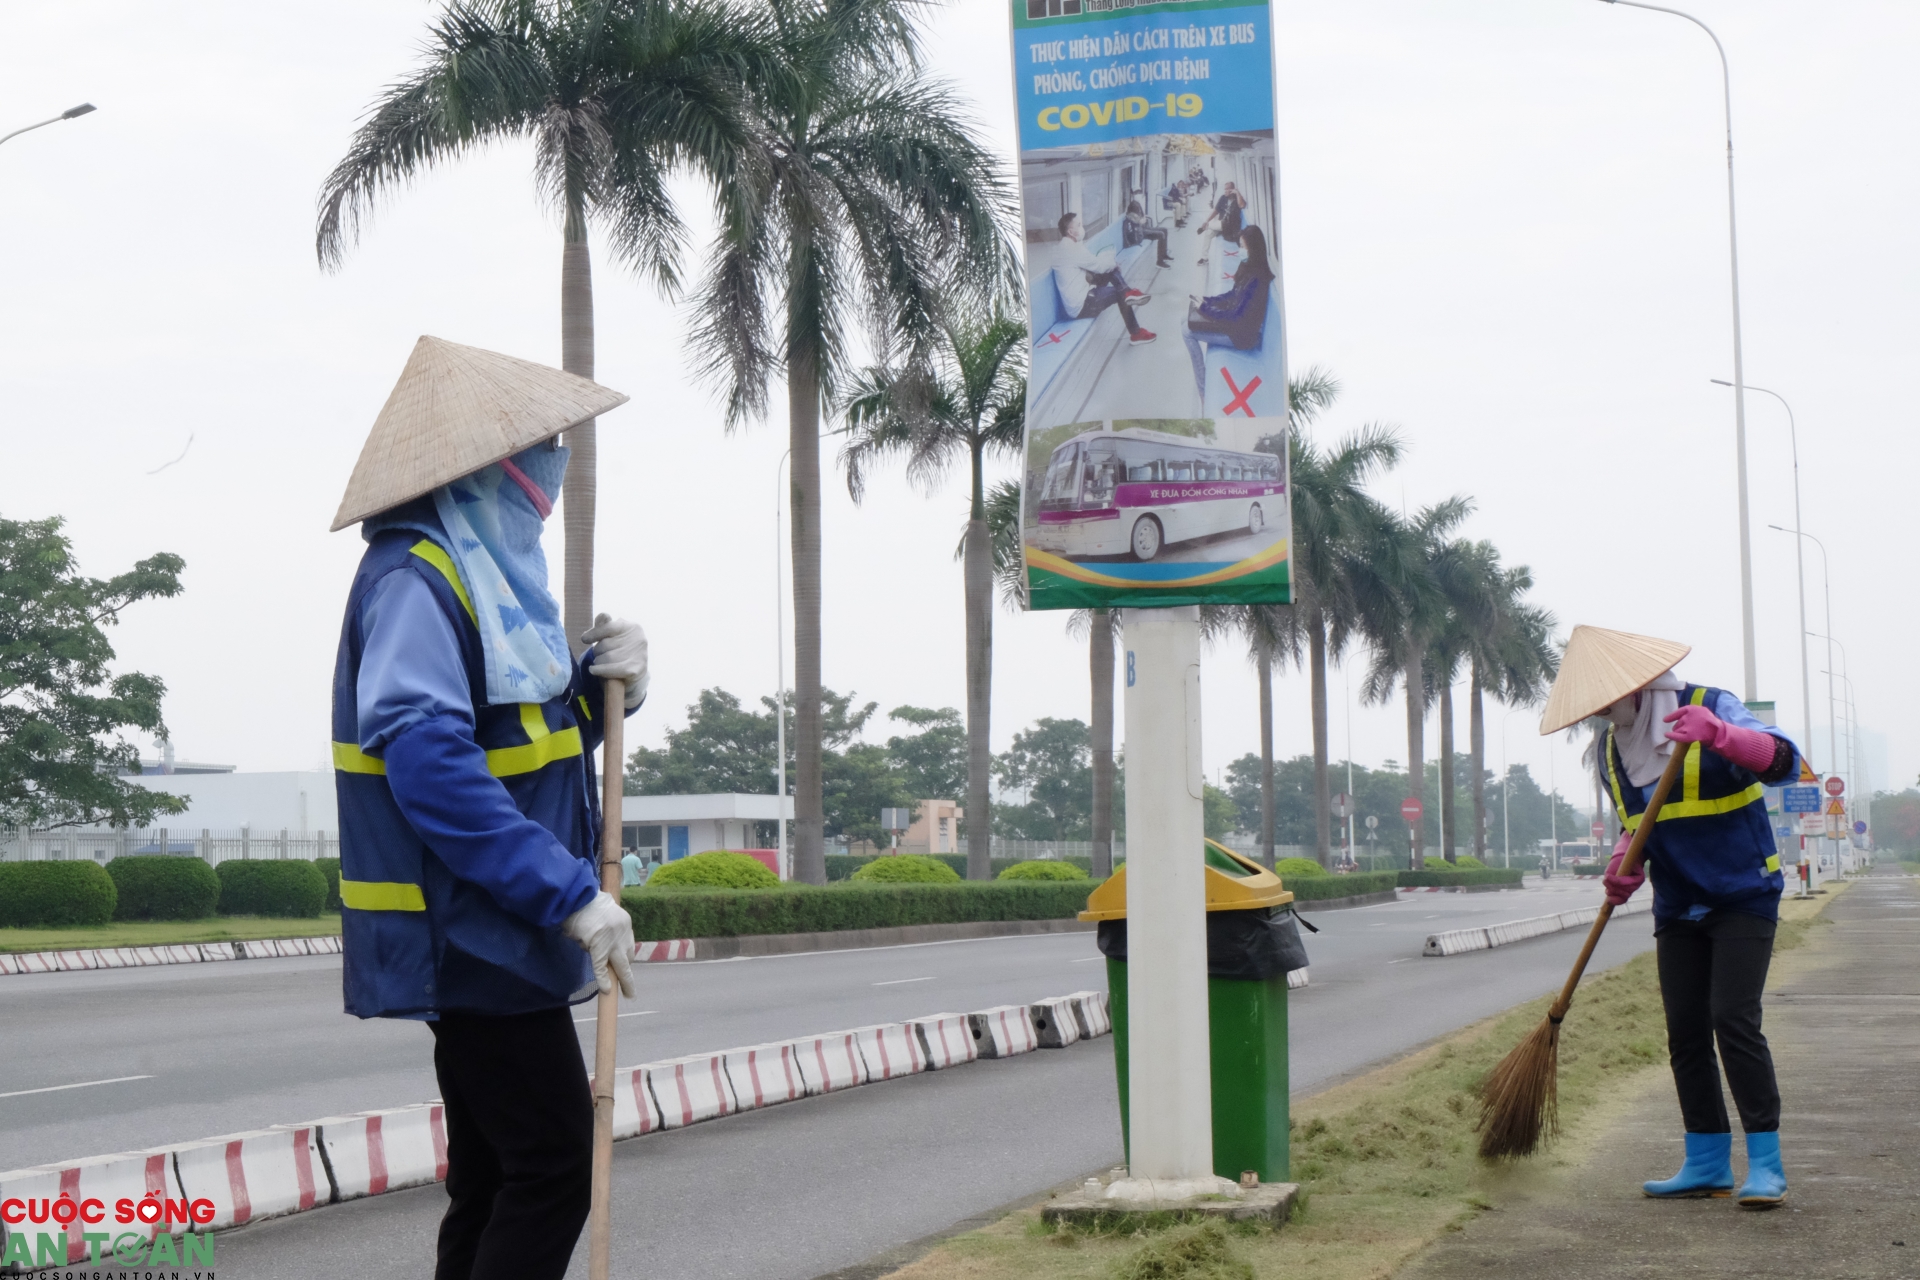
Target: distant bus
[(1132, 492)]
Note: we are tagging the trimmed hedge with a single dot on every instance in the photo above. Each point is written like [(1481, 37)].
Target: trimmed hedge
[(725, 913), (1042, 869), (716, 869), (1289, 869), (293, 889), (1456, 879), (906, 868), (1589, 869), (330, 868), (841, 866), (55, 894), (1461, 862), (163, 887), (1321, 888)]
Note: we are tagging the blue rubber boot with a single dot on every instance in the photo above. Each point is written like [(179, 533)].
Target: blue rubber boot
[(1766, 1184), (1708, 1170)]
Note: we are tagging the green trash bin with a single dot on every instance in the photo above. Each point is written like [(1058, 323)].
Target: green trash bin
[(1252, 943)]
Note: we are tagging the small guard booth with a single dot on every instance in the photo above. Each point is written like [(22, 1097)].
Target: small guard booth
[(1253, 942)]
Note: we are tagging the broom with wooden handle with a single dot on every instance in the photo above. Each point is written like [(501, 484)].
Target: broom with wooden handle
[(606, 1029), (1521, 1099)]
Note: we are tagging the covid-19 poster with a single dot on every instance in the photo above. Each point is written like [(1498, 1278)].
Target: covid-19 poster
[(1155, 469)]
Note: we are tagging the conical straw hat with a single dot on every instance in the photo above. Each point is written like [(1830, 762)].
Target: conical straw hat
[(455, 410), (1599, 668)]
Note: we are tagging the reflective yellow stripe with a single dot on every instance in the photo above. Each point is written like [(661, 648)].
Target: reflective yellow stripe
[(1690, 787), (533, 722), (348, 758), (505, 762), (1773, 864), (430, 551), (1628, 821), (586, 712), (1706, 808), (373, 895)]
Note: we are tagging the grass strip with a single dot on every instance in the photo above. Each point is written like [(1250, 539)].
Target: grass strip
[(1387, 1162), (158, 933)]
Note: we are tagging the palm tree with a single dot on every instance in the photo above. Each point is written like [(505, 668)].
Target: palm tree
[(1469, 596), (615, 94), (868, 202), (1515, 660), (969, 397), (1412, 560)]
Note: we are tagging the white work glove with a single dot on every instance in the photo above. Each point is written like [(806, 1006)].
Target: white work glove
[(619, 652), (604, 931)]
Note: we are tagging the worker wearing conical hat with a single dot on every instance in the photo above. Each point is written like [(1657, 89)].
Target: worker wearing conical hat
[(1716, 884), (469, 817)]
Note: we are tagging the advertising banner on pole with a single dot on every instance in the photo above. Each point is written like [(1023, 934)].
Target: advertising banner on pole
[(1155, 468)]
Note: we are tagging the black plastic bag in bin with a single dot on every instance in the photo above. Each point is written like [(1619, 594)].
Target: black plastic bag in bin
[(1250, 945)]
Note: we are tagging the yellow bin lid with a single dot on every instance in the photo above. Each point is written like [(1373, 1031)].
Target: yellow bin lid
[(1234, 883)]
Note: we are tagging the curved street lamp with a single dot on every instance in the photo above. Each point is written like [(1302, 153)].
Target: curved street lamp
[(71, 113)]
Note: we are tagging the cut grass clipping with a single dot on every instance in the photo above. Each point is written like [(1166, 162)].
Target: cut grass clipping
[(1386, 1162)]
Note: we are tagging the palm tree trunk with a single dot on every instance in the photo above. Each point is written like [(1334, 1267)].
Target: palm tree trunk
[(803, 411), (1264, 657), (1416, 750), (1100, 672), (1477, 762), (1446, 774), (578, 493), (1322, 794), (979, 588)]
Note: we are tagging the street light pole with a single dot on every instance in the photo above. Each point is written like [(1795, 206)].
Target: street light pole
[(1826, 587), (1799, 555), (780, 665), (1739, 366), (71, 113)]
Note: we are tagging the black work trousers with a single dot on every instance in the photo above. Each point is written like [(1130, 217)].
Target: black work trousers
[(519, 1144), (1711, 974)]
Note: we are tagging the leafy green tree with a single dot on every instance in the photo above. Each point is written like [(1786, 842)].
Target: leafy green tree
[(869, 204), (1220, 817), (615, 94), (861, 781), (1052, 762), (933, 761), (61, 710), (1896, 821), (964, 394), (1514, 660)]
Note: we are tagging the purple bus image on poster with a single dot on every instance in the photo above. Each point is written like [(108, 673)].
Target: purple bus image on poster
[(1134, 492)]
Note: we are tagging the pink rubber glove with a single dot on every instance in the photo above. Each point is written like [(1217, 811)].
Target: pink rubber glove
[(1746, 747), (1620, 888)]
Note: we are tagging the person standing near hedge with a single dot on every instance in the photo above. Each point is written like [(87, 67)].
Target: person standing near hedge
[(463, 733), (1716, 885)]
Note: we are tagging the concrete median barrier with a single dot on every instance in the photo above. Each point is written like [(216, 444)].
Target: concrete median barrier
[(656, 952), (830, 1063), (248, 1177), (1055, 1024), (764, 1075), (1003, 1031), (130, 1176), (1090, 1009), (690, 1090), (1455, 942), (946, 1040), (889, 1050), (634, 1110), (373, 1152)]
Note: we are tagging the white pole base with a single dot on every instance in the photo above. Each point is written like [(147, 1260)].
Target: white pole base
[(1164, 1193)]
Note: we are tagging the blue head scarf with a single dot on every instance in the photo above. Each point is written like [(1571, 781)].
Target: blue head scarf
[(490, 525)]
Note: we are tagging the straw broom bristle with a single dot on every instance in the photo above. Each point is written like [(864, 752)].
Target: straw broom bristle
[(1521, 1099)]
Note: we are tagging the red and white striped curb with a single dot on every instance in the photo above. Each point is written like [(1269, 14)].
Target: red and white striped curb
[(1004, 1031), (1454, 942), (373, 1152), (247, 1177), (87, 959), (1451, 888), (890, 1050), (671, 949), (252, 1176), (1055, 1024), (692, 1089), (764, 1075)]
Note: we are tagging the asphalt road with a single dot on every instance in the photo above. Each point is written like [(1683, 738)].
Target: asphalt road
[(807, 1188)]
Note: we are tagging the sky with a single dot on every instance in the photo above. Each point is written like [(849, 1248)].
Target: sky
[(1504, 229)]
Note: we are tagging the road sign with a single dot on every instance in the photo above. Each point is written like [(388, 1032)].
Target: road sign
[(1859, 828), (895, 819), (1836, 806), (1807, 775), (1812, 824), (1372, 822), (1411, 809), (1800, 799), (1342, 806), (1836, 785), (1599, 830)]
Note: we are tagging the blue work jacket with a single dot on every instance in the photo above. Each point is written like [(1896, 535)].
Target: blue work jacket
[(468, 832), (1712, 845)]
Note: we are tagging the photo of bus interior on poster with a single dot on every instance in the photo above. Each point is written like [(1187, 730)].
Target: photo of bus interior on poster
[(1155, 468)]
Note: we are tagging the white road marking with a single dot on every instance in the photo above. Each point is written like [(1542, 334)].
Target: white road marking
[(638, 1013), (84, 1084), (1086, 960), (897, 982)]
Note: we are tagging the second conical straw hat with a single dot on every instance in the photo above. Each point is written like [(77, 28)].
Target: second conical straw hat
[(455, 410), (1599, 668)]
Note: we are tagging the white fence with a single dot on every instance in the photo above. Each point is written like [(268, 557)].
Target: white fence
[(103, 845)]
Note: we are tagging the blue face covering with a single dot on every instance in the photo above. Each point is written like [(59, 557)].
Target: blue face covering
[(493, 529)]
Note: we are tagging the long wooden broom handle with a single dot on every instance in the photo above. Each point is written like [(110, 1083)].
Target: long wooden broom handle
[(606, 1030), (1628, 865)]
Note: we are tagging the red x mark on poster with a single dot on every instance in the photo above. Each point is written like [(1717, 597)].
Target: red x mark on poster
[(1240, 393)]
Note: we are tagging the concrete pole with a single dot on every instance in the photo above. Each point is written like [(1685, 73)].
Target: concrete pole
[(1171, 1093)]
